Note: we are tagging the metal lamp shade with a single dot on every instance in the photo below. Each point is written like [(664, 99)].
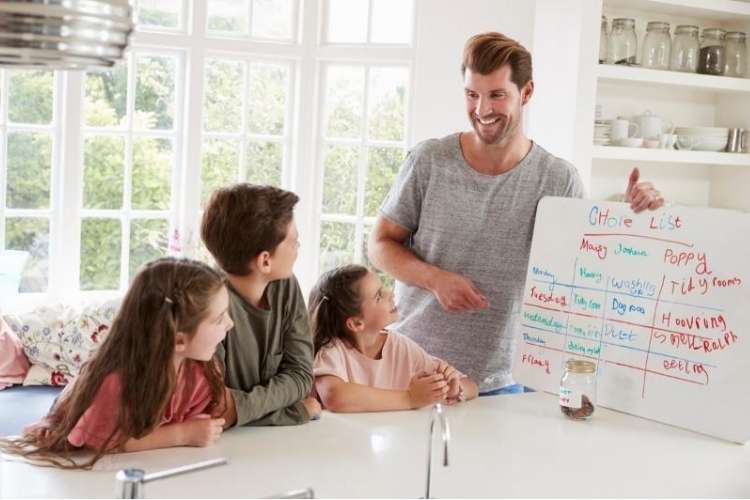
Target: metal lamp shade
[(64, 34)]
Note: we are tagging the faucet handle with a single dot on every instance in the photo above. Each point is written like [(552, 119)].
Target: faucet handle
[(305, 493), (130, 481)]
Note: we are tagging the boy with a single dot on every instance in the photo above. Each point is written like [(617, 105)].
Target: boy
[(268, 355)]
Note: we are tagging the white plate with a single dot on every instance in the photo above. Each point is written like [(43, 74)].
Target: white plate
[(713, 131)]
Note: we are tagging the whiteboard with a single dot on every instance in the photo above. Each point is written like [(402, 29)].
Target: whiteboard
[(658, 300)]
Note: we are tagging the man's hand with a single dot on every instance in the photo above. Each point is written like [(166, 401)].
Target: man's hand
[(457, 293), (642, 195)]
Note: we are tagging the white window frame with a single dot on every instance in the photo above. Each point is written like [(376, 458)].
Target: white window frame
[(360, 220), (54, 211), (303, 158), (130, 134)]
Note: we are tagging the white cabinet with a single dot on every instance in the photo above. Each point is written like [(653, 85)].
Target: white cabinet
[(695, 178), (688, 177)]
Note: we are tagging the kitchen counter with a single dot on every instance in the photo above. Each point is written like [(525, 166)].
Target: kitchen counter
[(514, 445)]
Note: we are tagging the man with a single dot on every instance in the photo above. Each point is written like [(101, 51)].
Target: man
[(456, 228)]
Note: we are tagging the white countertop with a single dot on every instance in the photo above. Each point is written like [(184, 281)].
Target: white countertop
[(514, 445)]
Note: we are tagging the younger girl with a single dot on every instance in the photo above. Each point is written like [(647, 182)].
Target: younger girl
[(360, 366), (153, 383)]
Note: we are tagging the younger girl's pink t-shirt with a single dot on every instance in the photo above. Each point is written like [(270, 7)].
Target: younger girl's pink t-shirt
[(401, 360), (191, 397)]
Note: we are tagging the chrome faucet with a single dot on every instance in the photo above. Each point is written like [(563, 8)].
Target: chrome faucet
[(437, 411), (305, 493), (130, 481)]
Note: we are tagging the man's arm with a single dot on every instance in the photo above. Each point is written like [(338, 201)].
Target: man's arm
[(387, 251)]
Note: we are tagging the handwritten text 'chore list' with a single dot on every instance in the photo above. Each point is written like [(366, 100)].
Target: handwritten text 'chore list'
[(660, 301)]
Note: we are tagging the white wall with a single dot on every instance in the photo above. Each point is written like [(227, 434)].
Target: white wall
[(443, 26)]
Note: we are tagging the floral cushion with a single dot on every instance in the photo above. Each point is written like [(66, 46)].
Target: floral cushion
[(58, 340)]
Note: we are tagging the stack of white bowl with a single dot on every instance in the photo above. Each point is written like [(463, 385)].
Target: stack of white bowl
[(702, 138), (602, 133)]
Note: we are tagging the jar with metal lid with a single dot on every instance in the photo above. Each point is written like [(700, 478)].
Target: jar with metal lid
[(685, 49), (657, 46), (736, 55), (623, 44), (578, 389), (603, 36), (711, 58)]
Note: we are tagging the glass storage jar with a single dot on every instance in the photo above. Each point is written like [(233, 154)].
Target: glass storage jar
[(623, 44), (736, 55), (578, 389), (711, 58), (685, 49), (657, 46), (603, 36)]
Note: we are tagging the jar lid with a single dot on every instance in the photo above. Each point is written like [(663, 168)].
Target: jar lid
[(736, 34), (716, 32), (657, 25), (580, 366), (624, 21), (686, 28)]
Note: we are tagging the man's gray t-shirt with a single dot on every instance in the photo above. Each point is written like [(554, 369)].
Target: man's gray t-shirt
[(479, 226)]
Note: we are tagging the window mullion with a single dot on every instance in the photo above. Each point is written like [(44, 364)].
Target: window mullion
[(369, 21), (306, 158), (362, 171), (3, 149), (127, 192), (65, 226), (188, 223)]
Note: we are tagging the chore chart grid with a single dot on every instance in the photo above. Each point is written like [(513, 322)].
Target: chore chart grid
[(658, 301)]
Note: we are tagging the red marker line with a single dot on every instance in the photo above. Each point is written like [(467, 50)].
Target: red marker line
[(643, 236)]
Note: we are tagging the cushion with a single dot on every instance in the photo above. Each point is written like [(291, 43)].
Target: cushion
[(14, 365), (58, 340)]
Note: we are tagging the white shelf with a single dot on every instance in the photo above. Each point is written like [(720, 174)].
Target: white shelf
[(714, 10), (670, 156), (636, 75)]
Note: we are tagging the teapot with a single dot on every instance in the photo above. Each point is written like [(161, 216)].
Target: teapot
[(652, 126)]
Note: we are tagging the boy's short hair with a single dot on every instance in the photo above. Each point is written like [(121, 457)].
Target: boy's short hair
[(243, 220), (487, 52)]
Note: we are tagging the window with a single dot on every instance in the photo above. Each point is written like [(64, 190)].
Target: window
[(246, 114), (362, 147), (28, 159), (129, 149), (272, 20), (388, 22), (211, 92), (161, 15)]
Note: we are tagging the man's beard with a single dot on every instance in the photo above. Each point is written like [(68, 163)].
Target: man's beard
[(502, 131)]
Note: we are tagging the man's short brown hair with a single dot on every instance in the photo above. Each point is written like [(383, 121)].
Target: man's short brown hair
[(486, 52), (243, 220)]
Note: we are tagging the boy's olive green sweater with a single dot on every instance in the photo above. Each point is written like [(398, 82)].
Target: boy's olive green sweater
[(268, 356)]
